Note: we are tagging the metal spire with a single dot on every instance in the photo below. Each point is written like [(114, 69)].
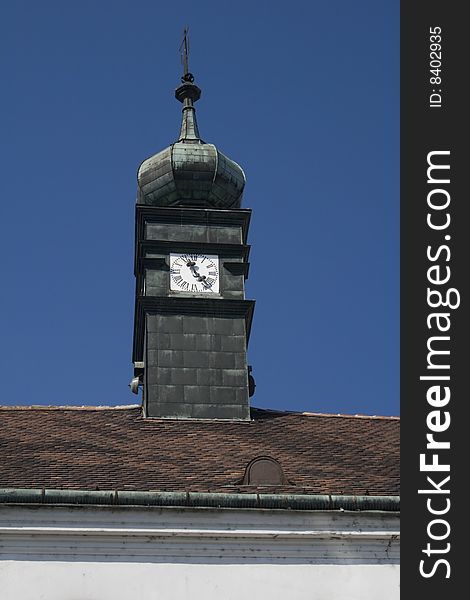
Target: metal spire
[(187, 93), (184, 51)]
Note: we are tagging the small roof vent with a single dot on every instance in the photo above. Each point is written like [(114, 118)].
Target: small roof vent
[(264, 470)]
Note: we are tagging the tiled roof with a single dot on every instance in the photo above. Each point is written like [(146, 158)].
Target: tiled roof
[(115, 448)]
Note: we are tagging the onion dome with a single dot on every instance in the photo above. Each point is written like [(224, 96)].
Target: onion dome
[(190, 172)]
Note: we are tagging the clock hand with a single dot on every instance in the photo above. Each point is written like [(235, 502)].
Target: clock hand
[(194, 270), (204, 282)]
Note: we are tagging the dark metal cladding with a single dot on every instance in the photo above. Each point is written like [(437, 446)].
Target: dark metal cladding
[(190, 349), (190, 172)]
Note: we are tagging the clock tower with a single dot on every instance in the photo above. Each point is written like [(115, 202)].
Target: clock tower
[(192, 321)]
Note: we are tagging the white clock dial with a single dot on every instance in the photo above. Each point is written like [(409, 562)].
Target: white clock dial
[(197, 273)]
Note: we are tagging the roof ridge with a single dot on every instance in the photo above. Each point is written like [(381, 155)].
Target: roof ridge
[(346, 416), (319, 414), (65, 407), (40, 407)]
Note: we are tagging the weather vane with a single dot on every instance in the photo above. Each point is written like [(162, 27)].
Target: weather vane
[(184, 51)]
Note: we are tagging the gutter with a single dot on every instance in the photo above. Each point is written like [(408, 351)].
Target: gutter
[(123, 498)]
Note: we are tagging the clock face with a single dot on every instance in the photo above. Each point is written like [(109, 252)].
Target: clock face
[(197, 273)]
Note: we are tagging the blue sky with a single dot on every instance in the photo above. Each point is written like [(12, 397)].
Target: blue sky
[(304, 95)]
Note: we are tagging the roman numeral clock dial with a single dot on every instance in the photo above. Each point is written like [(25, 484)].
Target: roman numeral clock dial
[(194, 273)]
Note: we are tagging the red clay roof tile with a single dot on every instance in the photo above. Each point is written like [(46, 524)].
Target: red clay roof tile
[(115, 448)]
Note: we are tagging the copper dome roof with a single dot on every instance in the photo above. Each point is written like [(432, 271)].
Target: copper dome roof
[(190, 172)]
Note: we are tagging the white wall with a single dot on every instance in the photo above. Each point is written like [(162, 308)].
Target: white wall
[(125, 581), (52, 553)]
